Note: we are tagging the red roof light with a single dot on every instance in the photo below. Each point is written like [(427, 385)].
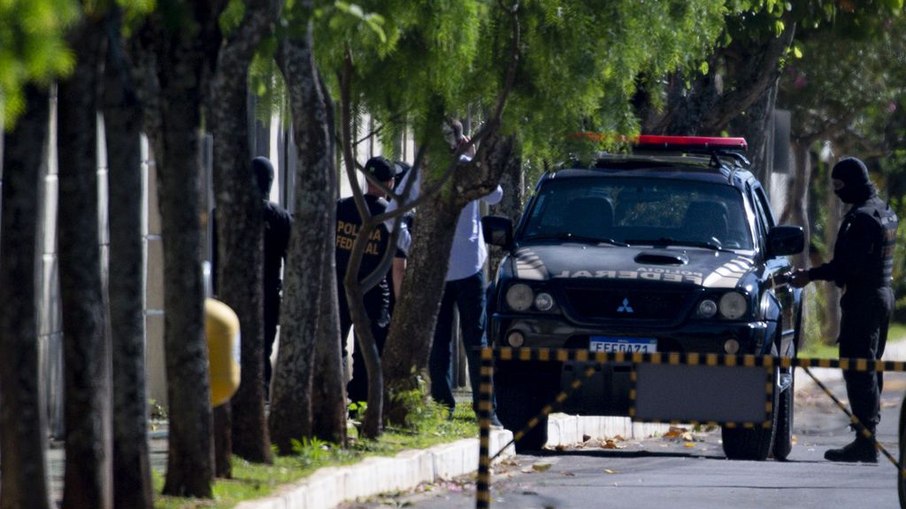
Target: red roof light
[(689, 142)]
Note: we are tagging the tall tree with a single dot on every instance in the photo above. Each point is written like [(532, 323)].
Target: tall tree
[(329, 381), (240, 226), (86, 360), (501, 60), (290, 416), (23, 427), (132, 488), (842, 92), (184, 39)]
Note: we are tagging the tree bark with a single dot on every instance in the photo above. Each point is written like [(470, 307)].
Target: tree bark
[(240, 226), (408, 346), (23, 428), (87, 371), (329, 383), (739, 98), (184, 44), (291, 404), (132, 486)]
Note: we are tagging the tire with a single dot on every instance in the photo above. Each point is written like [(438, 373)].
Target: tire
[(783, 436), (521, 394), (748, 443), (901, 475), (752, 443)]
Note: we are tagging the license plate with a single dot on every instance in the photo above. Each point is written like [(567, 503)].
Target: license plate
[(629, 345)]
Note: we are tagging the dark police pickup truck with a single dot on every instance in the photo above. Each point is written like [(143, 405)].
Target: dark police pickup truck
[(670, 248)]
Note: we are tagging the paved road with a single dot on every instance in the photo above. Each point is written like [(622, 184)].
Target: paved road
[(689, 469)]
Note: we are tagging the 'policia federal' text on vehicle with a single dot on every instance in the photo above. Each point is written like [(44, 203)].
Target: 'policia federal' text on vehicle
[(672, 248)]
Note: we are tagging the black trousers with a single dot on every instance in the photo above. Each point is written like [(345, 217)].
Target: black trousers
[(865, 315), (377, 307)]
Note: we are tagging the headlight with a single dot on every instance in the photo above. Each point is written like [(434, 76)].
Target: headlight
[(707, 308), (519, 297), (733, 305)]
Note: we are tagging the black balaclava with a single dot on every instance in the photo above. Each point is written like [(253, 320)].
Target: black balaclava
[(264, 174), (857, 187)]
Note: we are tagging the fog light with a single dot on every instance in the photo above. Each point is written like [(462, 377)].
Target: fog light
[(707, 308), (544, 301), (515, 339), (731, 346)]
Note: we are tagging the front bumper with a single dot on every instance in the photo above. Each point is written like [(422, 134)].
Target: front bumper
[(607, 390)]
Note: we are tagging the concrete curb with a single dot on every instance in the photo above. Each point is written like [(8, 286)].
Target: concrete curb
[(331, 486), (328, 487)]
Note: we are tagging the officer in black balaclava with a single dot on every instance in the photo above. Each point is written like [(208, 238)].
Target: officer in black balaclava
[(862, 266), (277, 225)]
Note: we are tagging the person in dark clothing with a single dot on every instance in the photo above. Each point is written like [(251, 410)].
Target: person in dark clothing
[(863, 267), (377, 299), (277, 225)]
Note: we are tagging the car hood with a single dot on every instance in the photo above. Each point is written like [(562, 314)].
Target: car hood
[(704, 267)]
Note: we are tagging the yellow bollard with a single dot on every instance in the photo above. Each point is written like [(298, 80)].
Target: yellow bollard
[(221, 327)]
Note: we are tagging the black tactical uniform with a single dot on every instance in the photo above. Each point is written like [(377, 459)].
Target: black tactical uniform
[(376, 300), (277, 225), (862, 266)]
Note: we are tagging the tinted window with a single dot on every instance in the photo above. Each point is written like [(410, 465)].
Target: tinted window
[(639, 211)]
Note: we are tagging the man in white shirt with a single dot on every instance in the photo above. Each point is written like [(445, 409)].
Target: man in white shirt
[(464, 288)]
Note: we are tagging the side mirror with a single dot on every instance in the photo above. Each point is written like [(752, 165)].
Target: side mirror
[(785, 240), (497, 231)]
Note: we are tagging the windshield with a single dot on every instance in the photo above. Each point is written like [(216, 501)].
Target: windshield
[(639, 211)]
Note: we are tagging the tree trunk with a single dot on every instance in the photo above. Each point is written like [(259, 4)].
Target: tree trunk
[(184, 44), (132, 487), (23, 429), (291, 405), (240, 232), (408, 346), (754, 124), (329, 384), (797, 196), (88, 476), (742, 101), (834, 209)]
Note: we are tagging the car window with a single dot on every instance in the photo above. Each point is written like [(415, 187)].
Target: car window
[(639, 211)]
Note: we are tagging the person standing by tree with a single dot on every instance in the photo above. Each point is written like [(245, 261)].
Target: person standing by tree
[(863, 267), (464, 287), (277, 225), (377, 299)]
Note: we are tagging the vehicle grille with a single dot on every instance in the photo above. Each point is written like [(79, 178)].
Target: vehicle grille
[(594, 304)]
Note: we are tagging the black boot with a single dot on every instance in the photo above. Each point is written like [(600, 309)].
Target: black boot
[(859, 450)]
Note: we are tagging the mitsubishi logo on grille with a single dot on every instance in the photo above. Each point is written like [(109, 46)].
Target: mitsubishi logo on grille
[(625, 307)]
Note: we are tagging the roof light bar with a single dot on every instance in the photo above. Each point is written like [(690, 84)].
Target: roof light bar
[(689, 142)]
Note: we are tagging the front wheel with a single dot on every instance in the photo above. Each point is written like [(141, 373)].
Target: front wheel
[(783, 436), (755, 443), (522, 389), (901, 478)]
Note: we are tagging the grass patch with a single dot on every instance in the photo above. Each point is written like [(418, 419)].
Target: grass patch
[(818, 350), (251, 481)]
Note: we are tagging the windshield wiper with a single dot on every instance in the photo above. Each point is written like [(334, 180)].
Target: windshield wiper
[(571, 237)]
